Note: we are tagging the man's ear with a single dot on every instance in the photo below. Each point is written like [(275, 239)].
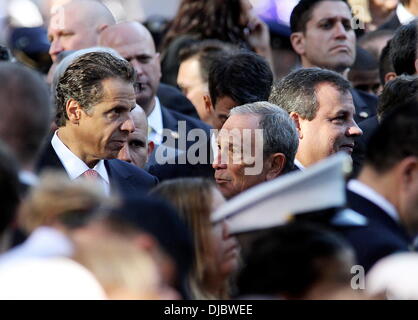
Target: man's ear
[(409, 170), (158, 64), (416, 66), (298, 42), (296, 119), (101, 27), (392, 75), (208, 104), (277, 163), (151, 147), (74, 111)]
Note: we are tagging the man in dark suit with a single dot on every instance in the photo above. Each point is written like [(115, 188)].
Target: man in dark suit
[(403, 49), (395, 93), (134, 42), (322, 36), (94, 98), (386, 191)]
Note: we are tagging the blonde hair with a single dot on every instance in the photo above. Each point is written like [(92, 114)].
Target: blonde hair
[(57, 197), (192, 197), (123, 270)]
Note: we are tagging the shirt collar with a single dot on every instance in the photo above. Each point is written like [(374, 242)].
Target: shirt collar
[(299, 164), (403, 14), (155, 122), (74, 165), (366, 192)]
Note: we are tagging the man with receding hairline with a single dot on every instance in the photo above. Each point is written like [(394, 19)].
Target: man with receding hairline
[(137, 149), (77, 25)]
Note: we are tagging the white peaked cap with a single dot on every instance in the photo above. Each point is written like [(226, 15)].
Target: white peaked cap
[(48, 279), (396, 276), (320, 186)]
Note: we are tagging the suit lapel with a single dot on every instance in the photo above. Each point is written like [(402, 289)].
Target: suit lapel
[(375, 214), (49, 158)]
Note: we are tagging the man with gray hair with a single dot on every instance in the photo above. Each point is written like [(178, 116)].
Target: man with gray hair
[(321, 105), (257, 143)]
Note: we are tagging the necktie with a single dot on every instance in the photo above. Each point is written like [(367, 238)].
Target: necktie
[(90, 174)]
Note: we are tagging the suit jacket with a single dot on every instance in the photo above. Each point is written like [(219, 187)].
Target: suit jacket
[(381, 236), (365, 105), (368, 126), (172, 98), (177, 170), (392, 23), (124, 177)]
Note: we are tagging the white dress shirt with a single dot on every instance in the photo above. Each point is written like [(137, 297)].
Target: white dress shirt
[(75, 167), (155, 124), (299, 164), (403, 14), (366, 192)]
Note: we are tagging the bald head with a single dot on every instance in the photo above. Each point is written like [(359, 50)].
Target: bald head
[(124, 35), (76, 25), (134, 42), (135, 150)]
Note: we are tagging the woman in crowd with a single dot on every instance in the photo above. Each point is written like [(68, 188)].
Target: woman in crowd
[(215, 250)]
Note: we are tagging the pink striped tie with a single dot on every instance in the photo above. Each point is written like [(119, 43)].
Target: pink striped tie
[(90, 174)]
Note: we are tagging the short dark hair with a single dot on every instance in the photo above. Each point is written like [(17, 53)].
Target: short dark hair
[(245, 77), (82, 80), (9, 187), (385, 63), (25, 111), (285, 260), (395, 139), (399, 91), (403, 50), (297, 91), (370, 41), (206, 51), (301, 13)]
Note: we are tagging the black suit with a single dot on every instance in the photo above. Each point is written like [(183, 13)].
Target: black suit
[(392, 23), (172, 98), (365, 105), (368, 126), (166, 171), (123, 177), (381, 236)]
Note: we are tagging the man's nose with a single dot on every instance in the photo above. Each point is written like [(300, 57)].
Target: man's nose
[(217, 162), (137, 66), (340, 31), (354, 130), (124, 154), (55, 49), (128, 125)]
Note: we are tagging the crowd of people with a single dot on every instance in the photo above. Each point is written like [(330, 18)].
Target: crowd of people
[(184, 166)]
